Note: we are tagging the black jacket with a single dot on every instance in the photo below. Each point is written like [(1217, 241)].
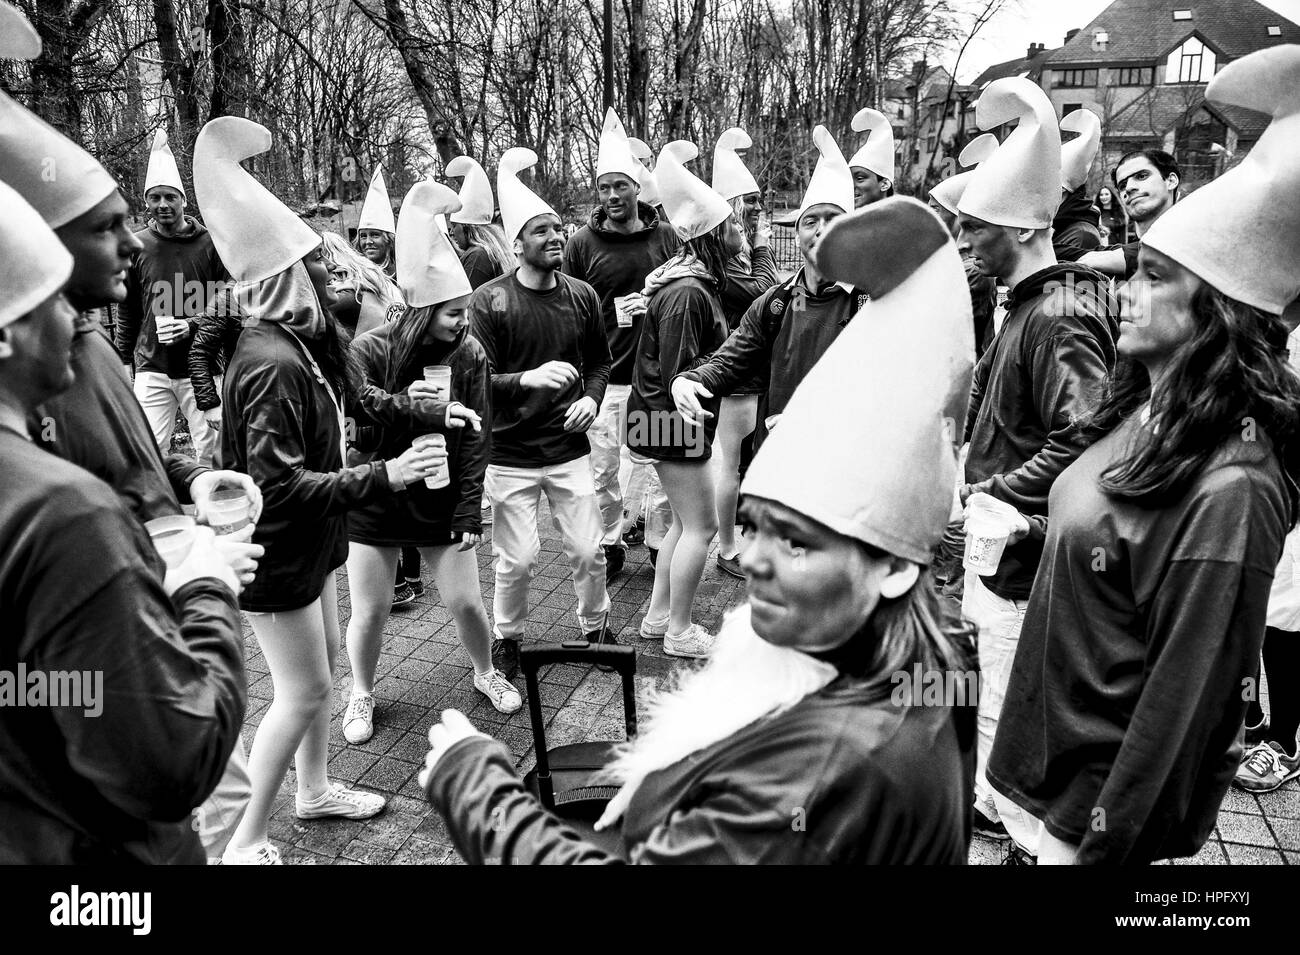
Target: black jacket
[(213, 346), (1076, 228), (420, 516)]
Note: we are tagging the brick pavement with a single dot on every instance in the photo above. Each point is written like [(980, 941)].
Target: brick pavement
[(423, 670)]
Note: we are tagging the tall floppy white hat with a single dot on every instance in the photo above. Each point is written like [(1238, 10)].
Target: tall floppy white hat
[(831, 180), (255, 234), (1019, 186), (615, 153), (731, 177), (1241, 232), (162, 169), (428, 268), (692, 206), (476, 204), (877, 153), (949, 192), (866, 445), (1077, 154), (649, 187), (518, 202), (33, 262), (377, 210)]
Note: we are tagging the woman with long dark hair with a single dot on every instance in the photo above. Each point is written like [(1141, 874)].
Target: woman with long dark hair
[(1122, 725), (1114, 224), (834, 721), (443, 523), (684, 323), (286, 391)]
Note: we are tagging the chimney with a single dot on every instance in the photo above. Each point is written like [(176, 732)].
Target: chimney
[(1034, 50), (1069, 34)]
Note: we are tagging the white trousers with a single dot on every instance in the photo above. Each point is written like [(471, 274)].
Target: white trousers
[(999, 621), (606, 435), (217, 819), (516, 494), (160, 397)]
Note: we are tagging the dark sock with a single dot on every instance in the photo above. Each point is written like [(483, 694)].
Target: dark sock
[(1282, 666), (1254, 712)]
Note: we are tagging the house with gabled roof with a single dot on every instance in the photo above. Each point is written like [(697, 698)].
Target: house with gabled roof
[(1143, 65)]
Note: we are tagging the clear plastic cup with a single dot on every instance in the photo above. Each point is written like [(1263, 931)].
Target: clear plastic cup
[(440, 377), (173, 538), (988, 527), (229, 510), (441, 476)]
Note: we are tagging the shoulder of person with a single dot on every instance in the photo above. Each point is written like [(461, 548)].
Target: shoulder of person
[(268, 354), (580, 288), (492, 296)]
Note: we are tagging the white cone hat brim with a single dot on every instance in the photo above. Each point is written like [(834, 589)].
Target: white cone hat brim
[(877, 154), (692, 207), (162, 166), (518, 202), (831, 180), (1078, 154), (377, 210), (866, 445), (33, 262), (1020, 184), (476, 203), (1241, 232), (614, 154), (255, 234), (731, 177), (649, 188), (428, 269), (949, 192)]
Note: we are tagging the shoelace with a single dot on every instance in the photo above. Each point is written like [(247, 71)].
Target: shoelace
[(498, 685), (1264, 760), (357, 707)]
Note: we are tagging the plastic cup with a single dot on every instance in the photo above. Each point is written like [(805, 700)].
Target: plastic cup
[(161, 324), (228, 511), (770, 421), (173, 538), (440, 377), (622, 312), (441, 476), (987, 529)]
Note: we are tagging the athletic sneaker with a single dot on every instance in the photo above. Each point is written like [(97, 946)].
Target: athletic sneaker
[(416, 585), (505, 656), (341, 803), (485, 515), (261, 854), (694, 642), (500, 692), (986, 827), (731, 565), (359, 720), (1266, 767), (402, 595), (654, 629)]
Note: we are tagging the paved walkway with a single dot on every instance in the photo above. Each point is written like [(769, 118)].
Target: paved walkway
[(424, 670)]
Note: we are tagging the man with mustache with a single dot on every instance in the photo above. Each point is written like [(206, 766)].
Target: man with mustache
[(549, 357)]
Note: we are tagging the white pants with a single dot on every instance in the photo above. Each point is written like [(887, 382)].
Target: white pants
[(217, 819), (606, 436), (160, 396), (999, 621), (515, 494)]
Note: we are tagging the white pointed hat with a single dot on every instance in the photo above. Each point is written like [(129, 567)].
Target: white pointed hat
[(162, 165), (866, 443), (692, 206), (949, 192), (1020, 184), (18, 38), (476, 203), (58, 178), (649, 187), (518, 202), (1241, 232), (877, 153), (731, 177), (377, 210), (1077, 154), (831, 180), (33, 262), (255, 234), (615, 153), (428, 268)]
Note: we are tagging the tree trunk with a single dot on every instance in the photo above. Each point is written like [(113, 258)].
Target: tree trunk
[(399, 32), (230, 71), (679, 110), (638, 67), (179, 72)]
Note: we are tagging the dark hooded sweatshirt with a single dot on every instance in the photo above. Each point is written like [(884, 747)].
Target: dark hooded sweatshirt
[(615, 264), (421, 516), (1076, 229), (171, 275), (1044, 369)]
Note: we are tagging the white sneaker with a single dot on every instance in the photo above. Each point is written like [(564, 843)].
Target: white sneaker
[(261, 854), (694, 642), (340, 802), (359, 720), (500, 692), (653, 629)]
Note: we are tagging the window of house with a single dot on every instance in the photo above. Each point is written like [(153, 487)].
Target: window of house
[(1069, 108), (1274, 31), (1135, 76), (1193, 62), (1075, 78), (1182, 14)]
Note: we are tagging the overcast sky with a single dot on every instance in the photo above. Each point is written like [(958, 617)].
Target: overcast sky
[(1010, 32)]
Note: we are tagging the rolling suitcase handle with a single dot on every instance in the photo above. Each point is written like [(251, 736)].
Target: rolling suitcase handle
[(535, 656)]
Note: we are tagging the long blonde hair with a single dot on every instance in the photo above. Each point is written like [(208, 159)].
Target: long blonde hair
[(366, 275), (492, 240)]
